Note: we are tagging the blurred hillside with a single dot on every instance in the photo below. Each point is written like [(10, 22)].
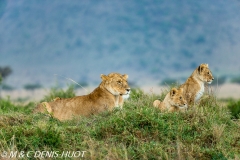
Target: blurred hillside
[(149, 40)]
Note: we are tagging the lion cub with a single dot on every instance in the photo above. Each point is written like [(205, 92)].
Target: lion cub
[(174, 101), (104, 98), (194, 86)]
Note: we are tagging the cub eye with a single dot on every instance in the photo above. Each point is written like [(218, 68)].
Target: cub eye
[(208, 72), (180, 97)]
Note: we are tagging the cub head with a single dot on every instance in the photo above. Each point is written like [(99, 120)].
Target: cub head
[(177, 98), (116, 84), (205, 74)]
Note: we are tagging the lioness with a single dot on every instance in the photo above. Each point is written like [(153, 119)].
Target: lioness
[(105, 97), (173, 101), (194, 86)]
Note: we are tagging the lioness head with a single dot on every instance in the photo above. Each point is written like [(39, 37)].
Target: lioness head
[(177, 98), (116, 83), (205, 74)]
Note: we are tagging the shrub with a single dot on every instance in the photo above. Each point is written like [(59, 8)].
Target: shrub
[(7, 87), (234, 107), (32, 86)]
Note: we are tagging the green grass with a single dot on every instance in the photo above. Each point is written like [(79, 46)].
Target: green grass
[(58, 92), (234, 107), (138, 131)]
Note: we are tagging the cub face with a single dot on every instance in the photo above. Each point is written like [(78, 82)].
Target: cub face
[(205, 73), (116, 84), (177, 98)]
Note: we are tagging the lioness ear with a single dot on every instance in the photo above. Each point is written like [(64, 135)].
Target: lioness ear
[(173, 92), (103, 77), (125, 76)]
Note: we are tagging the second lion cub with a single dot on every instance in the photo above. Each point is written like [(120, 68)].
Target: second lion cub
[(174, 101)]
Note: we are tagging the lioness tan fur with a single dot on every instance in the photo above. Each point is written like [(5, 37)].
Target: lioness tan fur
[(173, 101), (194, 86), (104, 98)]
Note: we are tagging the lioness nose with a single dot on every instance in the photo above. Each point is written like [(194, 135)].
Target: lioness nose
[(128, 89), (212, 78)]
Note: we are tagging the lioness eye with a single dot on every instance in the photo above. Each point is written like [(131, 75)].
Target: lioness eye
[(180, 97), (119, 82)]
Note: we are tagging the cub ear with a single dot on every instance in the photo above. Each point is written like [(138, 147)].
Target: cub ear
[(103, 77), (173, 92), (125, 76), (200, 69)]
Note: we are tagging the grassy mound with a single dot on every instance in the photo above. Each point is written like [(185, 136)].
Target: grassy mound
[(139, 131)]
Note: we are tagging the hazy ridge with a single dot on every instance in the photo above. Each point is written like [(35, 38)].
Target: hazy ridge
[(149, 40)]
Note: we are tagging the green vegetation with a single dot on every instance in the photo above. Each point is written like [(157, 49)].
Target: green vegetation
[(139, 131), (234, 107), (58, 92), (169, 82)]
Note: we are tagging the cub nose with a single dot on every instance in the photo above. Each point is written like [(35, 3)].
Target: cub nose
[(212, 78), (128, 89)]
